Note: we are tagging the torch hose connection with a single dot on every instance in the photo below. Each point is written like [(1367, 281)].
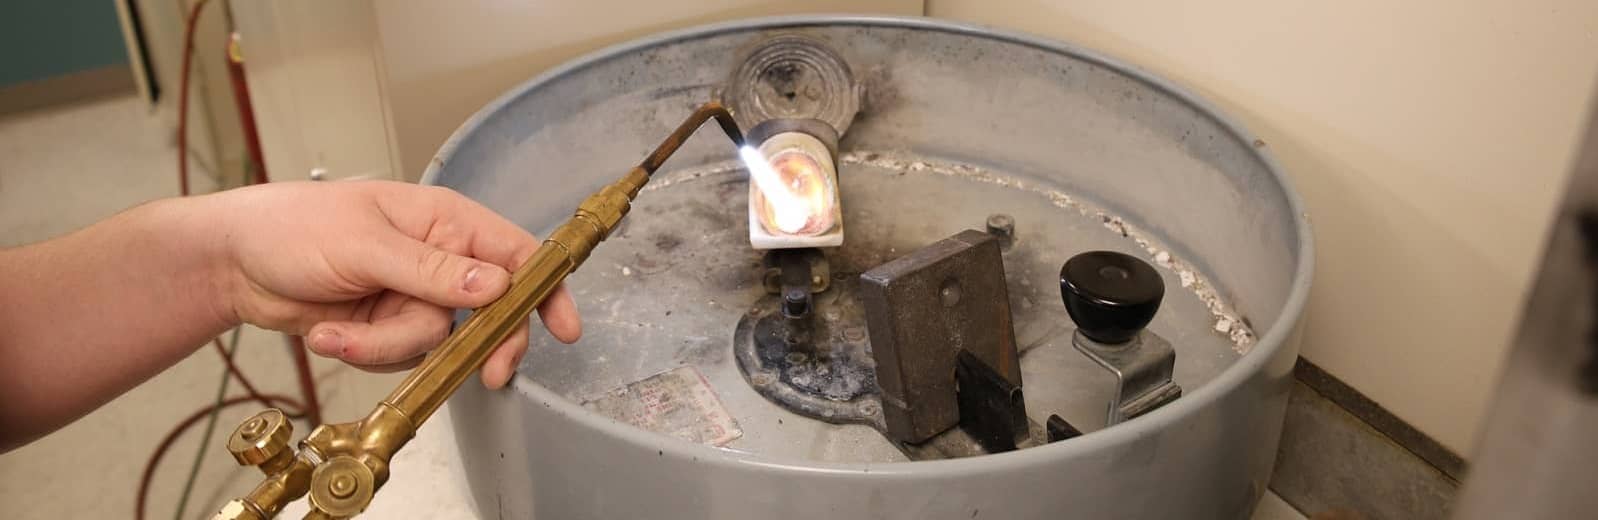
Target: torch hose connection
[(341, 466)]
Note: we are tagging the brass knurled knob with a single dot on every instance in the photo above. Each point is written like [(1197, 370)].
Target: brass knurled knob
[(342, 487), (260, 438)]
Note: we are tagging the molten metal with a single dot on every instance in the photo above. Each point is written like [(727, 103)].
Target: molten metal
[(791, 195)]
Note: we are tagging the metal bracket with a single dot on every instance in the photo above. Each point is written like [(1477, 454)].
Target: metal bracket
[(1142, 368), (778, 260), (991, 409), (1058, 429), (805, 352), (940, 375), (922, 311), (794, 281)]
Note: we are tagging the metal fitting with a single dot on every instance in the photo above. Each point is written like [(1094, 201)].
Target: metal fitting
[(343, 465)]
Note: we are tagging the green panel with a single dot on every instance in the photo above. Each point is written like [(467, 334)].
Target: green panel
[(42, 39)]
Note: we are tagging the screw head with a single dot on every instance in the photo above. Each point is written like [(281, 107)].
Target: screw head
[(795, 303), (1001, 225), (253, 428), (342, 485), (950, 293)]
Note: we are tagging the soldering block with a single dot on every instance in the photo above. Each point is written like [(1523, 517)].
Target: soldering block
[(760, 239), (815, 149)]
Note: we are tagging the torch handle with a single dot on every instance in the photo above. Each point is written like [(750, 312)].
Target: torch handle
[(342, 465), (465, 351)]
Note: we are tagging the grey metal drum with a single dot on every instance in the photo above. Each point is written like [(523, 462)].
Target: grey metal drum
[(951, 124)]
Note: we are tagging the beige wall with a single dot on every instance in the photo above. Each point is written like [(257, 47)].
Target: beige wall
[(1429, 138), (371, 88), (446, 60), (316, 86), (216, 139)]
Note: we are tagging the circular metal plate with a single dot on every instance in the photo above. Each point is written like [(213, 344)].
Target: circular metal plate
[(835, 380), (792, 77)]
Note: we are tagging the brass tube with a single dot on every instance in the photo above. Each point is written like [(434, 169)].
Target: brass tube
[(465, 351), (673, 141), (432, 382), (352, 458)]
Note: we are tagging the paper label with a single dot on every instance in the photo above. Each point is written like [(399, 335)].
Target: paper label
[(679, 403)]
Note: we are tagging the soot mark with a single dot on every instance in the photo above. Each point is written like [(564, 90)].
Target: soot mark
[(713, 217), (700, 352), (731, 278), (667, 242)]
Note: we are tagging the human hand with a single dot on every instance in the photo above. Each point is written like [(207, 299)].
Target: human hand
[(370, 271)]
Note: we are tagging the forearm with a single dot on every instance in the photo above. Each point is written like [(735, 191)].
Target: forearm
[(87, 316)]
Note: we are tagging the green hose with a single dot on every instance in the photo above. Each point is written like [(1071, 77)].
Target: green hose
[(210, 425)]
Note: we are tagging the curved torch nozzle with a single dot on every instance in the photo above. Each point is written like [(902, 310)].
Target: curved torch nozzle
[(341, 466), (674, 141)]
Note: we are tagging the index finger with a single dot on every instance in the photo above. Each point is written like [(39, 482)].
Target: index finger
[(445, 219), (462, 226)]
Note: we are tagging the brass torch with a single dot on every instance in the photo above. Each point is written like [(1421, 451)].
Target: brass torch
[(342, 465)]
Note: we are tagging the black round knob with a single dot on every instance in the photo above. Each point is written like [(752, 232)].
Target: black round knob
[(795, 302), (1110, 295)]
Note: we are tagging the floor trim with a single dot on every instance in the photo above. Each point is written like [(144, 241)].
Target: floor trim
[(1379, 418), (66, 88)]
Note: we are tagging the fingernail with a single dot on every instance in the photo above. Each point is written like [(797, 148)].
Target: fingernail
[(473, 281), (328, 342)]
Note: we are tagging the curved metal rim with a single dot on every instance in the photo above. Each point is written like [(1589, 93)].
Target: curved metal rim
[(1124, 433)]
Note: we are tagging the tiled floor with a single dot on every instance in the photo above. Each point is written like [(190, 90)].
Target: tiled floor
[(64, 168)]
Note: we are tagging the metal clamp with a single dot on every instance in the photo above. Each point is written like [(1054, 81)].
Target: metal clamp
[(1142, 369), (1113, 297)]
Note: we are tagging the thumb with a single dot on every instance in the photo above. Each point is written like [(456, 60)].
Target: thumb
[(437, 276)]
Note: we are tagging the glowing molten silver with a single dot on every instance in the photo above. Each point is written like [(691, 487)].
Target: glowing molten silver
[(781, 202)]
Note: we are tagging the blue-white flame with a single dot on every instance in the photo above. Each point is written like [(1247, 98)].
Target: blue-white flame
[(791, 213)]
